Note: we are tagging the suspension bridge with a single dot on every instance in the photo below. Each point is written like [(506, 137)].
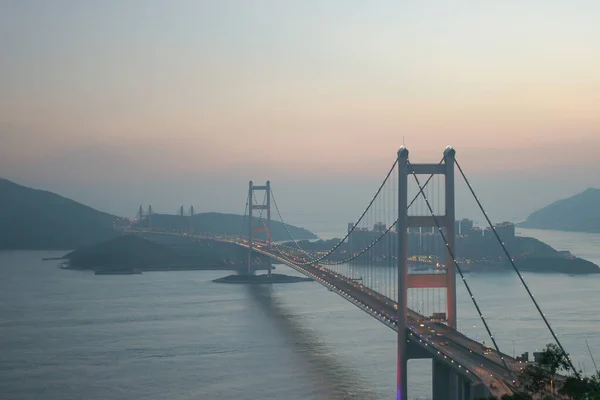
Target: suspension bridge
[(375, 267)]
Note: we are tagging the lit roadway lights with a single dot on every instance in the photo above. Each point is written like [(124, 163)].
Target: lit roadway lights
[(461, 353), (458, 351)]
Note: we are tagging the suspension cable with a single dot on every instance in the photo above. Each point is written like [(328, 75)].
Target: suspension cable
[(287, 227), (369, 247), (512, 262), (332, 263), (451, 253), (379, 238), (316, 260), (276, 245), (359, 220), (262, 220), (244, 218)]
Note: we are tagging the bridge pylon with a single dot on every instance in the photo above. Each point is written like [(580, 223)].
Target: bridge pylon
[(406, 280), (264, 228)]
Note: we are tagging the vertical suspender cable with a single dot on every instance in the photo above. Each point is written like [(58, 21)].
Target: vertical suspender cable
[(487, 328), (511, 260)]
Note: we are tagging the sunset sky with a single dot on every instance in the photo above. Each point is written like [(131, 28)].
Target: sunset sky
[(117, 103)]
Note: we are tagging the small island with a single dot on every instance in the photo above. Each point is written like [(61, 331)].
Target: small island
[(571, 265), (261, 279), (477, 250), (131, 254)]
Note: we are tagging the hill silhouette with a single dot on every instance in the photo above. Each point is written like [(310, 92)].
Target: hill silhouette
[(579, 213), (227, 224), (134, 253), (121, 250), (37, 219)]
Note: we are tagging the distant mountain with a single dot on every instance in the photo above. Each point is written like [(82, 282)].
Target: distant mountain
[(228, 224), (37, 219), (580, 213)]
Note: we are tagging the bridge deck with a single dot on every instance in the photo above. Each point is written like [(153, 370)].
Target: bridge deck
[(468, 357)]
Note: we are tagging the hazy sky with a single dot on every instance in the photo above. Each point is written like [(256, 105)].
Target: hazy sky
[(117, 103)]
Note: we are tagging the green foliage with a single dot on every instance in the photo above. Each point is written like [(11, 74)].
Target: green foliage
[(534, 379), (554, 360), (575, 387), (521, 396), (537, 379), (517, 396)]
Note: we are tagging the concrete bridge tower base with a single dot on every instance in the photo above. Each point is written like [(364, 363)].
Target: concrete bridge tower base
[(448, 385)]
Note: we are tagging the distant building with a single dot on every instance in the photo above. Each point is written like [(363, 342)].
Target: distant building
[(466, 226), (506, 231), (379, 227)]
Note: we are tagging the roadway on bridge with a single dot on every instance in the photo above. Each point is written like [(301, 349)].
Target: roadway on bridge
[(442, 340), (437, 338)]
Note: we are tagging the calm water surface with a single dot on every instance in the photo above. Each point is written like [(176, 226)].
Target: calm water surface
[(161, 335)]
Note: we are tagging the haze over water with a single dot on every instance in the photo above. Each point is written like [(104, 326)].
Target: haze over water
[(116, 104), (177, 335)]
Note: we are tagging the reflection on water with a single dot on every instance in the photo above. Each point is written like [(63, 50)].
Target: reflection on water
[(70, 334), (334, 380)]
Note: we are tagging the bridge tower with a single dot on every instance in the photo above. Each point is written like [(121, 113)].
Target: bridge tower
[(265, 228), (406, 280)]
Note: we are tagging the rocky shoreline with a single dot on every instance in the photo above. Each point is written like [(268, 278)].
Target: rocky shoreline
[(261, 279)]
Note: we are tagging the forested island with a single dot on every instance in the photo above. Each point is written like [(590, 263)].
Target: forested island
[(579, 213), (37, 219), (570, 265), (32, 219), (475, 253), (132, 253)]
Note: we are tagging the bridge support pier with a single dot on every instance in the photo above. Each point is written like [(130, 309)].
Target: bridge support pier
[(462, 388), (453, 385), (447, 384), (440, 374), (478, 391)]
